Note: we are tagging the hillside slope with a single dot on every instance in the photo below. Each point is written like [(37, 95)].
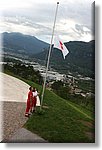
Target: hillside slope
[(81, 58), (61, 121), (24, 44)]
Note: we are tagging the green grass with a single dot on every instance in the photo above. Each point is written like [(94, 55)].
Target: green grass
[(61, 120)]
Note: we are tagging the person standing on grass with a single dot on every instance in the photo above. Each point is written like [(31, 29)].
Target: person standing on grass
[(35, 94), (29, 102)]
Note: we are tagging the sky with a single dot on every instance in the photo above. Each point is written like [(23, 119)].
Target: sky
[(36, 18)]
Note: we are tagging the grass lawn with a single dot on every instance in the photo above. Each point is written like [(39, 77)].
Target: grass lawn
[(61, 121)]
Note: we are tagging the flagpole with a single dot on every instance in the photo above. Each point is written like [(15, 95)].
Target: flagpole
[(42, 96)]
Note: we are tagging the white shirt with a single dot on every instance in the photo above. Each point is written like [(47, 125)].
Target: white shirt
[(35, 93)]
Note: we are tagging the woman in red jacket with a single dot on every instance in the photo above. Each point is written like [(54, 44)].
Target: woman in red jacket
[(29, 102)]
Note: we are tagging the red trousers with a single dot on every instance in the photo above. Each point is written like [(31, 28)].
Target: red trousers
[(29, 106)]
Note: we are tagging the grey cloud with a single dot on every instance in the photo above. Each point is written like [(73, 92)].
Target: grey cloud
[(80, 13), (41, 17), (80, 29), (40, 27), (45, 12)]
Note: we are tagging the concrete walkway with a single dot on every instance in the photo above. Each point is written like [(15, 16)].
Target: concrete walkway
[(24, 136), (13, 89), (13, 99)]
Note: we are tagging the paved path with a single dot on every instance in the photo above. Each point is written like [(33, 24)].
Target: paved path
[(24, 136), (13, 100), (13, 118), (14, 89)]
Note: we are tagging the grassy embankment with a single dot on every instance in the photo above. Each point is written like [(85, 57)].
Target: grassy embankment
[(61, 120)]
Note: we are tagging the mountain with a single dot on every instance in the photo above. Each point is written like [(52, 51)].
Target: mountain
[(81, 58), (24, 44)]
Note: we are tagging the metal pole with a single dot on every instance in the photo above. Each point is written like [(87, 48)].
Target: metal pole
[(42, 96)]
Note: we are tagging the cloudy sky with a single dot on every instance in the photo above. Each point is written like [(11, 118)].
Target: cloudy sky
[(36, 17)]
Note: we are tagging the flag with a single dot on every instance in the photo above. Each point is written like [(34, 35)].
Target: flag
[(60, 45)]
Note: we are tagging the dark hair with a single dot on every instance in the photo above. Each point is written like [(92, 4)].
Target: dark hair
[(30, 88), (34, 89)]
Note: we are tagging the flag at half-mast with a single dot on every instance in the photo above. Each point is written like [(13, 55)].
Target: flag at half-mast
[(60, 45)]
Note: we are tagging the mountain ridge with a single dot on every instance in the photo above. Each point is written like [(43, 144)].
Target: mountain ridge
[(80, 60), (21, 43)]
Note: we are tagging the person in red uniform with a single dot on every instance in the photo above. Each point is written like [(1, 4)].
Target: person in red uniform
[(29, 102)]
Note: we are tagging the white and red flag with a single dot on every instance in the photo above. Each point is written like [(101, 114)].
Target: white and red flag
[(60, 45)]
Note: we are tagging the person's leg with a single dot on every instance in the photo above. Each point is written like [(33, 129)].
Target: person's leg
[(27, 108), (31, 105), (34, 103)]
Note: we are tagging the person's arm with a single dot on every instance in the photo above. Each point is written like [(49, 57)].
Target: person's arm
[(37, 93)]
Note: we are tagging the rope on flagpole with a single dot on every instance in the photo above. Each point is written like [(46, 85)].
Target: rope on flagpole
[(42, 96)]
